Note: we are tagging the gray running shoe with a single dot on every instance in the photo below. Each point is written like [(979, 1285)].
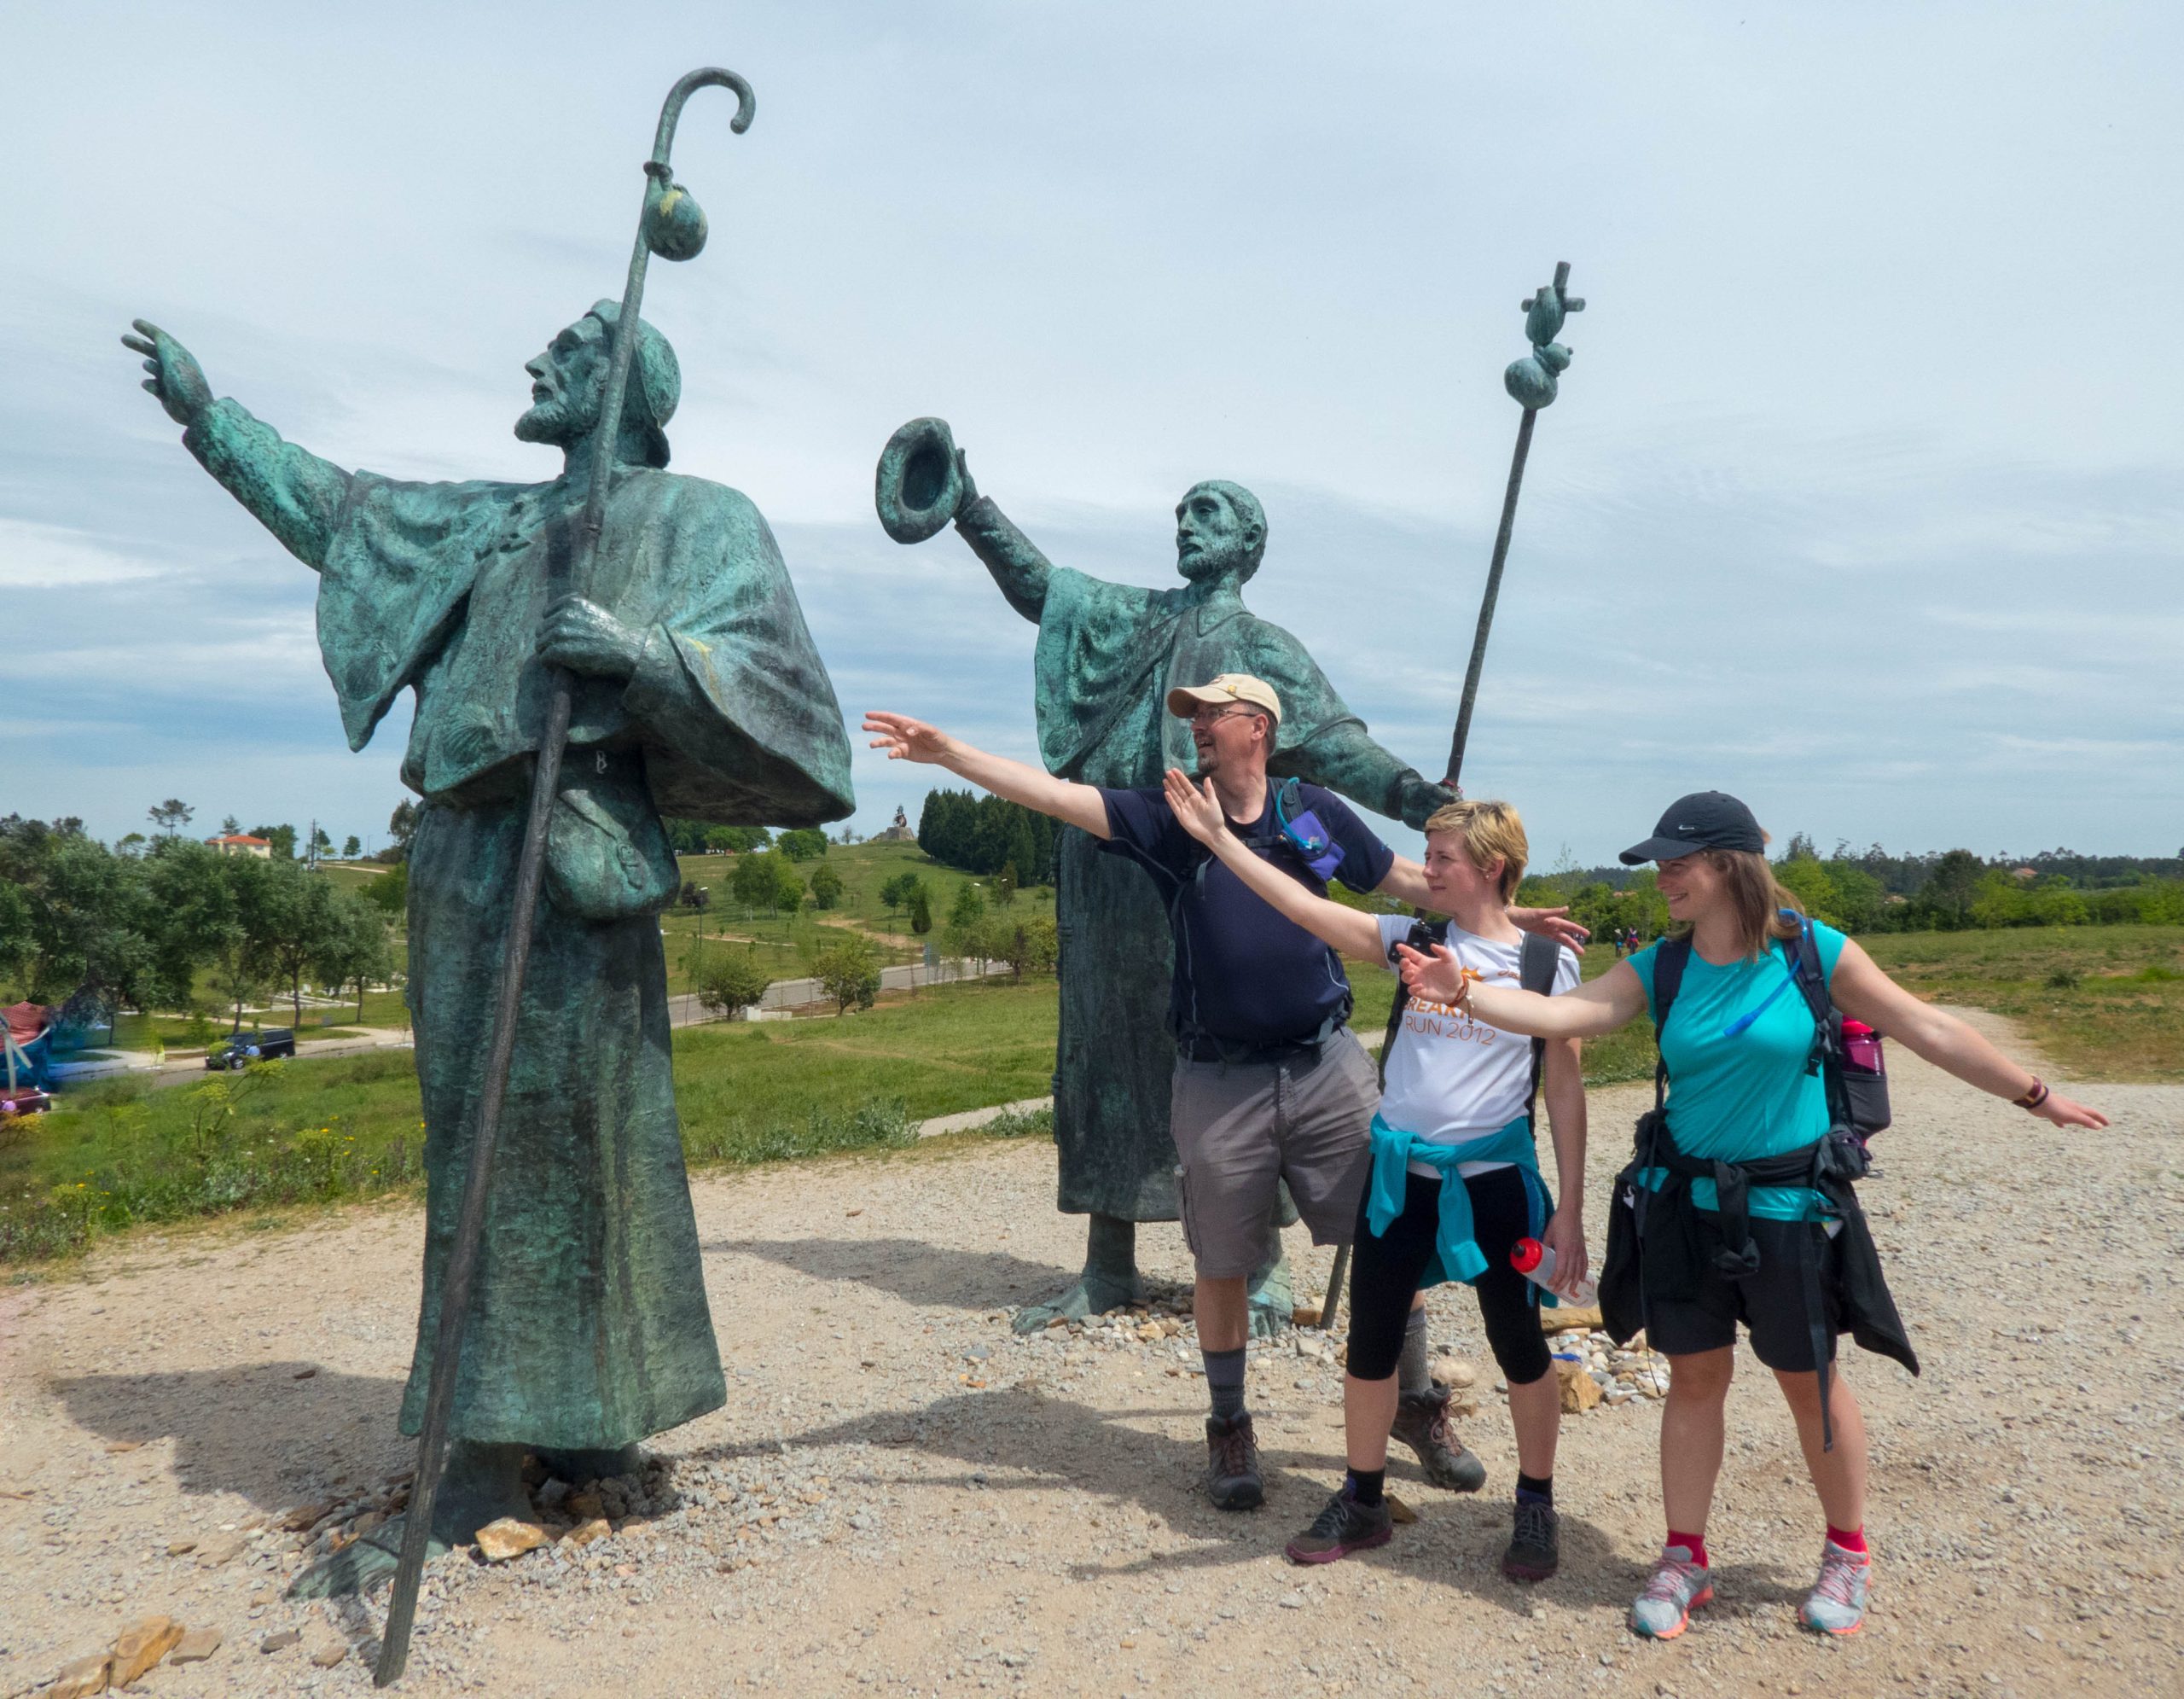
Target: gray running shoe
[(1837, 1603), (1677, 1588), (1344, 1526), (1233, 1480), (1422, 1423), (1535, 1548)]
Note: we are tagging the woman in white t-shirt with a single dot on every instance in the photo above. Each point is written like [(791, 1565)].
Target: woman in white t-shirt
[(1455, 1182)]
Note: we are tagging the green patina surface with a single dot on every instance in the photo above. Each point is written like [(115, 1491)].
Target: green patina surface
[(698, 693), (1107, 655)]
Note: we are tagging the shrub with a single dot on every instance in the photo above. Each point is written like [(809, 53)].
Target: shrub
[(731, 982)]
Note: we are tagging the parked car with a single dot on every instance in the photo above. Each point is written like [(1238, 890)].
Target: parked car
[(238, 1050)]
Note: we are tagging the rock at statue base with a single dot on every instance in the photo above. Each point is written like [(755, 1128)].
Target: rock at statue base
[(1580, 1391), (80, 1679), (1454, 1371), (498, 1541), (143, 1643), (329, 1652), (194, 1647), (1570, 1316), (598, 1527)]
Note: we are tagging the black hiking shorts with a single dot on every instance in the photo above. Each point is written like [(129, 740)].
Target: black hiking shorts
[(1771, 1304)]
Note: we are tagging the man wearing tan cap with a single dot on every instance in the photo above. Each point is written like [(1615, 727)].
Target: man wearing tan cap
[(1269, 1085)]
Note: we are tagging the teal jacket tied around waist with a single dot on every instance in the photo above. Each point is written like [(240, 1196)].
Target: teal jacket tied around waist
[(1456, 1253)]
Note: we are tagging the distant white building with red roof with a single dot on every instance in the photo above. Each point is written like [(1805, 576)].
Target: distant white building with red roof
[(241, 843)]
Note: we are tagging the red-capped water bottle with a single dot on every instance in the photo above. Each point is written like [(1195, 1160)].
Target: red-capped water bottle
[(1536, 1262)]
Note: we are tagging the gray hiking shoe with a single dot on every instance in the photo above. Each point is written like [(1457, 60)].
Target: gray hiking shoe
[(1837, 1603), (1422, 1423), (1344, 1526), (1535, 1548), (1676, 1587), (1233, 1480)]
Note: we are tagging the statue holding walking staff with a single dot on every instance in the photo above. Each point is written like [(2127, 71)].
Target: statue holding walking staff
[(586, 653)]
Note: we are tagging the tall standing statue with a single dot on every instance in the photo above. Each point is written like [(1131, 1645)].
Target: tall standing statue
[(698, 693), (1106, 657)]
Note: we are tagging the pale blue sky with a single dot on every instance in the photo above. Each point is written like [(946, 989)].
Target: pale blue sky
[(1863, 498)]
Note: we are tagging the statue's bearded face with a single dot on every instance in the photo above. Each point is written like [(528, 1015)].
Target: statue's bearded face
[(567, 382), (1212, 537)]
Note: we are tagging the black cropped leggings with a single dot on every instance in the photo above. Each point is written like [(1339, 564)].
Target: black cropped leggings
[(1389, 1267)]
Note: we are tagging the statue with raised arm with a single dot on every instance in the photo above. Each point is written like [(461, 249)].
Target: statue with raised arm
[(698, 693), (1108, 656)]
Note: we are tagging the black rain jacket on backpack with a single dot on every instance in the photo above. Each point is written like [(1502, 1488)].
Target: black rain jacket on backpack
[(1662, 1246)]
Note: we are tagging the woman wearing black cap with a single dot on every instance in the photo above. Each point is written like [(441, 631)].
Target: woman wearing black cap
[(1712, 1203)]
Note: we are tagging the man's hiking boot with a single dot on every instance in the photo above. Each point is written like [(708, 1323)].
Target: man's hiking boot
[(1535, 1548), (1422, 1423), (1676, 1587), (1837, 1603), (1344, 1526), (1231, 1463)]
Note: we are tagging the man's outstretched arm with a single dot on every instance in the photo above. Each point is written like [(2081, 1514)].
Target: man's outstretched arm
[(291, 492), (905, 739)]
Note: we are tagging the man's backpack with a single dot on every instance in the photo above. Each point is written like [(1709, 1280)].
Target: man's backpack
[(1857, 1090), (1535, 963)]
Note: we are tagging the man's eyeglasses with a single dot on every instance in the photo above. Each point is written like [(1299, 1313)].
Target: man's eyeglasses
[(1208, 716)]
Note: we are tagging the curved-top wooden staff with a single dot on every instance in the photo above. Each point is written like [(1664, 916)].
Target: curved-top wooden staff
[(670, 225)]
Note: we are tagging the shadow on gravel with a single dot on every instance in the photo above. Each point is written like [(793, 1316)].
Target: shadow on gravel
[(1011, 1439), (268, 1431), (914, 1270)]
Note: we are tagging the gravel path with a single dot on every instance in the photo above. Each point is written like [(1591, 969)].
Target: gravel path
[(900, 1496)]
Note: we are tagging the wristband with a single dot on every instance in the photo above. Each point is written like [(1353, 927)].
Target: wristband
[(2034, 1098)]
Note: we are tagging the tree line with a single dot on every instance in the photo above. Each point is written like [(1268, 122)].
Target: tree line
[(1953, 891), (985, 835), (93, 930)]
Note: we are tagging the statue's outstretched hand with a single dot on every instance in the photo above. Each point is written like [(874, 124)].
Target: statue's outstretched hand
[(905, 739), (1198, 810), (176, 377)]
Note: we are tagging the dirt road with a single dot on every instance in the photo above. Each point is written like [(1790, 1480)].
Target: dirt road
[(901, 1496)]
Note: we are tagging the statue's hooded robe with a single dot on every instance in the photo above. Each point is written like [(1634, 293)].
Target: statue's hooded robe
[(1106, 657), (589, 1325)]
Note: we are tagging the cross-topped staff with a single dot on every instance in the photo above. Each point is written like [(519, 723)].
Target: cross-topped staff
[(1531, 382), (672, 226)]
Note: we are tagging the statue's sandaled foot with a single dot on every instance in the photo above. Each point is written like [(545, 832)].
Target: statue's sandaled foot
[(1090, 1295), (1272, 1298), (479, 1485)]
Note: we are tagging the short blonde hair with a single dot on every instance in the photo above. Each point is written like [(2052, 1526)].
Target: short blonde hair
[(1490, 830)]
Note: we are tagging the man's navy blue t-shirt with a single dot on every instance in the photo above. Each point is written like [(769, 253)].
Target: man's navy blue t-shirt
[(1245, 977)]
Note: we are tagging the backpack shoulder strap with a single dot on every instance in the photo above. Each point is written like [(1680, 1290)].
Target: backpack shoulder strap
[(1439, 929), (1671, 957), (1537, 957), (1812, 978)]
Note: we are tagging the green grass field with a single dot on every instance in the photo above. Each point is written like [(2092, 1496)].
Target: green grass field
[(2106, 1003), (786, 943)]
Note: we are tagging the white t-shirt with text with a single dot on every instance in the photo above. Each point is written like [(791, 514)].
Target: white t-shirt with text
[(1452, 1078)]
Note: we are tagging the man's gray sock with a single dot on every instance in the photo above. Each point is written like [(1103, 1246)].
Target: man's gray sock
[(1411, 1375), (1224, 1381)]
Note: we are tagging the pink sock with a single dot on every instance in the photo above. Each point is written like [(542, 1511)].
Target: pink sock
[(1693, 1543), (1851, 1539)]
